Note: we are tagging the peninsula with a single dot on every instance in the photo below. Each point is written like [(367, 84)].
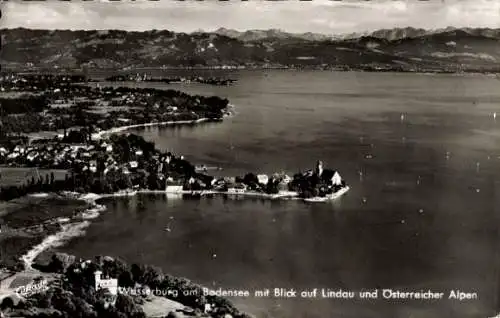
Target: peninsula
[(107, 165), (85, 160)]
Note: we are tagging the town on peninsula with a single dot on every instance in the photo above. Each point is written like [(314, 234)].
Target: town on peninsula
[(69, 133)]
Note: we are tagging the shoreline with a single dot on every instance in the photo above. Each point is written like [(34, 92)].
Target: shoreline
[(473, 71), (75, 227), (282, 196), (114, 130), (70, 228)]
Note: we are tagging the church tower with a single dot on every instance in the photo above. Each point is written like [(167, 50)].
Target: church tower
[(319, 168)]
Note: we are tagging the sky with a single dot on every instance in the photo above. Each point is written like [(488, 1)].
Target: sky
[(318, 16)]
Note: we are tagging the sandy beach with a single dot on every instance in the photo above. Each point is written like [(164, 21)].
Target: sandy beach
[(164, 123), (115, 130)]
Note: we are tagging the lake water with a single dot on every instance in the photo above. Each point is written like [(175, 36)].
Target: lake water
[(420, 153)]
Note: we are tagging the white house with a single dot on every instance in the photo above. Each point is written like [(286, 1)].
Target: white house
[(133, 164), (238, 188), (336, 179), (173, 189), (286, 179), (31, 156), (263, 178), (111, 284), (282, 188), (229, 180)]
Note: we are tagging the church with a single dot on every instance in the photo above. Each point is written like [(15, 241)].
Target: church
[(327, 176)]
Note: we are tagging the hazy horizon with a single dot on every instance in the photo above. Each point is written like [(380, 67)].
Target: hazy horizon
[(318, 16), (248, 30)]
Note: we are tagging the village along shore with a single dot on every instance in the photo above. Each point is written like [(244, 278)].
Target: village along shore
[(79, 153), (102, 163)]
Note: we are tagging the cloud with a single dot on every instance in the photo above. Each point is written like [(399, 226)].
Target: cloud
[(322, 16)]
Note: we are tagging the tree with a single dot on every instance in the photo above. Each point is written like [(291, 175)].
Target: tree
[(126, 279), (42, 300), (126, 305), (56, 265), (136, 272), (63, 302), (84, 310), (152, 276), (152, 181), (272, 187), (7, 303), (250, 178)]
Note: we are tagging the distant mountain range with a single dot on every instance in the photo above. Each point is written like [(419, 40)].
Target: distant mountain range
[(387, 34), (255, 35), (398, 49)]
